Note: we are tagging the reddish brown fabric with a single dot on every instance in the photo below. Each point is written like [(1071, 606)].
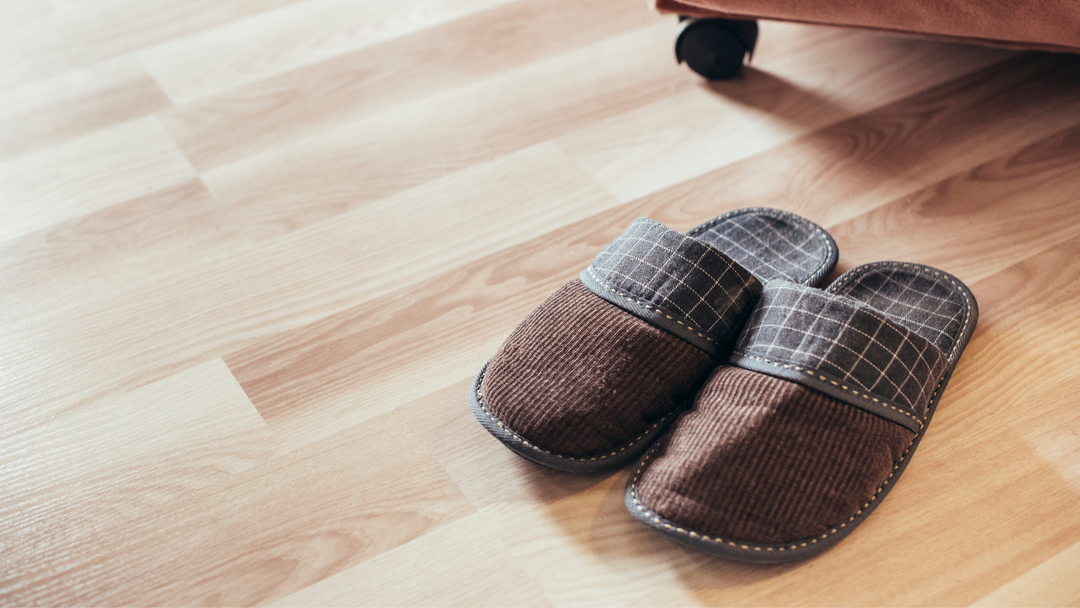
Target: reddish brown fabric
[(764, 460), (580, 376), (1051, 25)]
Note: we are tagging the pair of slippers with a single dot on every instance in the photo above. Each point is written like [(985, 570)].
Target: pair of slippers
[(768, 417)]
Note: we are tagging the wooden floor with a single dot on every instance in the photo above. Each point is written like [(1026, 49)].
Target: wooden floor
[(253, 252)]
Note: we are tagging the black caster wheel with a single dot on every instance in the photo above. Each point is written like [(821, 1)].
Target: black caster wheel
[(715, 48)]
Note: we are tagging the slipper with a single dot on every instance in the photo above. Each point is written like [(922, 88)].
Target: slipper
[(825, 398), (594, 373)]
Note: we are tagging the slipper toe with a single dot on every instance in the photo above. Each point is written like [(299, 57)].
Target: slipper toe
[(760, 463), (554, 379)]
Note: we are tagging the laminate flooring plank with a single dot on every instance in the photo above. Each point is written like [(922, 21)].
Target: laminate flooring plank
[(96, 255), (981, 220), (1055, 582), (485, 470), (846, 168), (369, 358), (414, 143), (85, 474), (278, 41), (191, 518), (1032, 314), (277, 110), (80, 34), (613, 559), (462, 551), (194, 411), (65, 107), (117, 340), (88, 174), (774, 101)]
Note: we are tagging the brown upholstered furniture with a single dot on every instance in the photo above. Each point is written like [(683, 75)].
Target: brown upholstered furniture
[(1049, 25)]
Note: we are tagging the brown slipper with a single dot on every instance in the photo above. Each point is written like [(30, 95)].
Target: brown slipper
[(826, 397), (594, 373)]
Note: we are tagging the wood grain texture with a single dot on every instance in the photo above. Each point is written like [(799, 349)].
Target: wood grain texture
[(427, 139), (788, 93), (278, 41), (490, 205), (248, 119), (88, 174), (492, 575), (1031, 191), (253, 253), (137, 241), (853, 165), (74, 34), (1051, 583), (157, 496), (75, 104)]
